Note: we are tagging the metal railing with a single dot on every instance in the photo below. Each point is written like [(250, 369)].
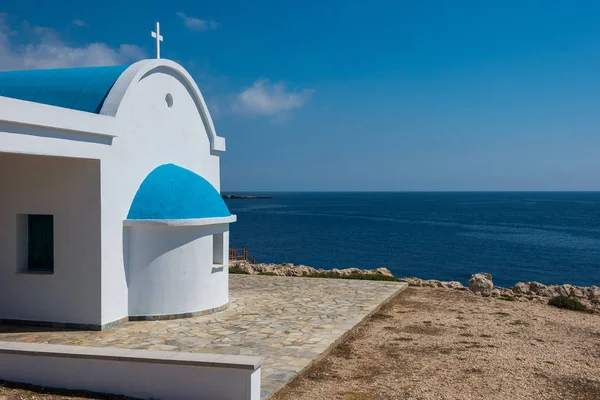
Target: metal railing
[(242, 254)]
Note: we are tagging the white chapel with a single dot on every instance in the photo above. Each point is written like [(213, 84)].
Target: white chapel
[(109, 197)]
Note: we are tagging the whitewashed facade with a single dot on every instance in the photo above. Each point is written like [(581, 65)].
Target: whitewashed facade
[(115, 170)]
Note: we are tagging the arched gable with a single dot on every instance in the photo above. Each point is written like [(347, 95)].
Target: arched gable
[(142, 69)]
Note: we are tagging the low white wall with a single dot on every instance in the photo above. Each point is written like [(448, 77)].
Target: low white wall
[(136, 373), (170, 269)]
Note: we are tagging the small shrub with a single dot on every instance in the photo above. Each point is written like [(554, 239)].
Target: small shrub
[(267, 273), (237, 271), (355, 276), (568, 303)]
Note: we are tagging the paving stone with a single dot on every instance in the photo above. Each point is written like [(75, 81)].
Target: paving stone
[(286, 321)]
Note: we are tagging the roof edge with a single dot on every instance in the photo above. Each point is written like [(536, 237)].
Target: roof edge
[(27, 113)]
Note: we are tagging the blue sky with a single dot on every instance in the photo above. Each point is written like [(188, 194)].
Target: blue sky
[(354, 95)]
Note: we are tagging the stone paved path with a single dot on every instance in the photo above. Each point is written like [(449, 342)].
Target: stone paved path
[(287, 321)]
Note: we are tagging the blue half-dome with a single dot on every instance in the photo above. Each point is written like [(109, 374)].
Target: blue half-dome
[(172, 192), (82, 89)]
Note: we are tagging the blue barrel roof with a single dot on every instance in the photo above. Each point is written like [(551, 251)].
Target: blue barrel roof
[(82, 89), (173, 192)]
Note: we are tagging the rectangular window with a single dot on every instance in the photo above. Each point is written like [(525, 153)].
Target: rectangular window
[(218, 249), (40, 243)]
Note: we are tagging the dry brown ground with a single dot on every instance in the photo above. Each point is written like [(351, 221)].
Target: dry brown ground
[(16, 391), (445, 344)]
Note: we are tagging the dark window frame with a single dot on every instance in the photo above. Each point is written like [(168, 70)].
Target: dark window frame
[(40, 243)]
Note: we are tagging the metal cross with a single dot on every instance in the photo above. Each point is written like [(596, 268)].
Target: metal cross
[(159, 39)]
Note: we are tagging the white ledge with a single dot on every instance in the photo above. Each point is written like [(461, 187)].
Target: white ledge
[(179, 222), (128, 355), (22, 112)]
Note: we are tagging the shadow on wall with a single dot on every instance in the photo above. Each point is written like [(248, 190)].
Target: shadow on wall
[(49, 133), (157, 241)]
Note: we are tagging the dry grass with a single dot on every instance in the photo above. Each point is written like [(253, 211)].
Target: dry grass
[(444, 344)]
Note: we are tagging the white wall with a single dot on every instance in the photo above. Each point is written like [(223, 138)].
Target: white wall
[(136, 134), (150, 134), (69, 189), (170, 270), (137, 373)]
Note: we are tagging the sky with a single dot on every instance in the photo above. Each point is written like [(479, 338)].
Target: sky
[(359, 96)]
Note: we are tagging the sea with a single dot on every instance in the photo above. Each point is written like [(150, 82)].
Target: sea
[(548, 237)]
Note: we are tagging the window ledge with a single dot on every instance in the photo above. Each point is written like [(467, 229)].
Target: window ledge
[(218, 268), (35, 273), (178, 222)]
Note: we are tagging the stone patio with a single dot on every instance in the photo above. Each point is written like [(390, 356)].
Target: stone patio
[(287, 321)]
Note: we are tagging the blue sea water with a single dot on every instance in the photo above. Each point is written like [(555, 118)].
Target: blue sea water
[(550, 237)]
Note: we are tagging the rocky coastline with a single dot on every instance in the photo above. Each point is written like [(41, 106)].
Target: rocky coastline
[(286, 269), (480, 284)]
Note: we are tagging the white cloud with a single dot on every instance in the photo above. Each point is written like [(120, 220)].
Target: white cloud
[(49, 50), (266, 98), (197, 24), (81, 23)]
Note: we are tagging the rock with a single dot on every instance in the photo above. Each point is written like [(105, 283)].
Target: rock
[(506, 294), (571, 291), (427, 283), (383, 271), (352, 271), (247, 268), (521, 288), (415, 282), (299, 270), (593, 294), (531, 289), (554, 291), (538, 289), (481, 284), (287, 269), (578, 292), (565, 290), (453, 285)]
